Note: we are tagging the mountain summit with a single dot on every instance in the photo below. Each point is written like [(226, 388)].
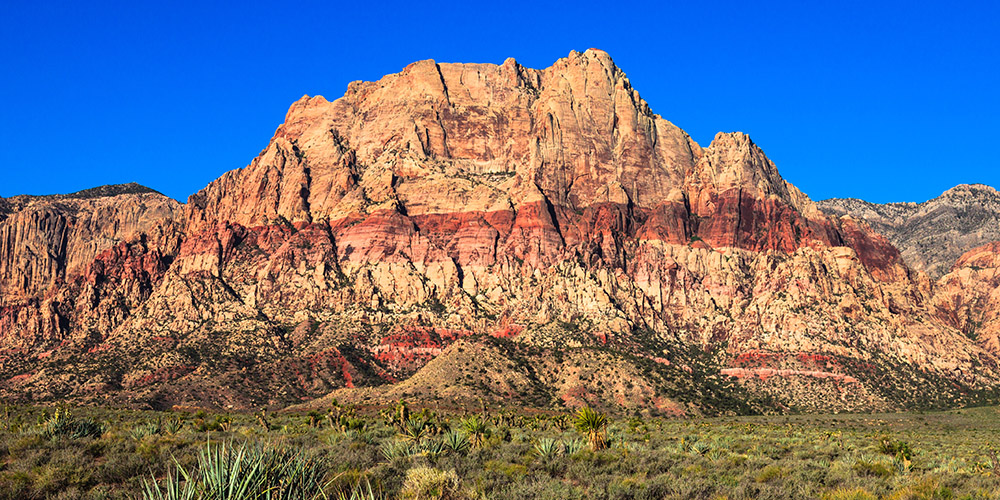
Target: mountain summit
[(464, 231)]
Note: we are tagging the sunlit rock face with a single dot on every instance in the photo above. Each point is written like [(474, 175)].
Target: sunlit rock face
[(465, 231), (968, 298)]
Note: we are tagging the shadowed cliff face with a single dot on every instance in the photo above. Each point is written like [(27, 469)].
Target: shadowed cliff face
[(587, 250)]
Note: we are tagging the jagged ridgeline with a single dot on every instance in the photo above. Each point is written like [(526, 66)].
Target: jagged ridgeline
[(463, 232)]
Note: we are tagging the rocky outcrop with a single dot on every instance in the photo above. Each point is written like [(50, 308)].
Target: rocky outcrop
[(933, 234), (968, 298), (507, 226), (73, 264)]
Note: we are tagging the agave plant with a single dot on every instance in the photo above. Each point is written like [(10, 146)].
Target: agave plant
[(392, 450), (435, 448), (456, 442), (700, 448), (62, 424), (172, 426), (593, 425), (144, 429), (476, 430), (546, 448)]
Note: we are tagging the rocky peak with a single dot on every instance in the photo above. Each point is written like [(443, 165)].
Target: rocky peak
[(500, 134), (972, 192), (733, 161)]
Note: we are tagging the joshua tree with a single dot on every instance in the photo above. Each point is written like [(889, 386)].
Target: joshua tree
[(593, 425)]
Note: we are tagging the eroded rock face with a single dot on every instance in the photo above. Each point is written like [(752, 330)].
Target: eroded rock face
[(931, 235), (968, 298), (72, 264), (458, 208)]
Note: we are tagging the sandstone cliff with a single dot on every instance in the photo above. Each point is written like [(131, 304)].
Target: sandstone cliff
[(535, 236), (968, 297), (63, 257)]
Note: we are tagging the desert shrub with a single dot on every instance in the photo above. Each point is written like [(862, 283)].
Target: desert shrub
[(425, 483), (894, 448), (769, 473), (872, 468), (849, 494)]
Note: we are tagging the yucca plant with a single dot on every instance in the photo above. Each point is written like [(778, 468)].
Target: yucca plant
[(361, 493), (560, 422), (347, 423), (226, 471), (456, 442), (572, 446), (415, 429), (230, 472), (593, 425), (175, 487), (476, 430), (546, 448)]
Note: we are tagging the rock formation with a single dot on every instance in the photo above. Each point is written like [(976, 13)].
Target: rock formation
[(460, 231), (931, 235), (968, 298)]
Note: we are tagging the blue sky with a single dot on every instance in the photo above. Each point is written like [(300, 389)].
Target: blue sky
[(890, 102)]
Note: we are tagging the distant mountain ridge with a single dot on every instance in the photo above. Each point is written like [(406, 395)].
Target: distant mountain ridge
[(931, 235)]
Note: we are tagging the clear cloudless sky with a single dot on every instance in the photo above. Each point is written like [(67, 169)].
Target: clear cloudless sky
[(880, 100)]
